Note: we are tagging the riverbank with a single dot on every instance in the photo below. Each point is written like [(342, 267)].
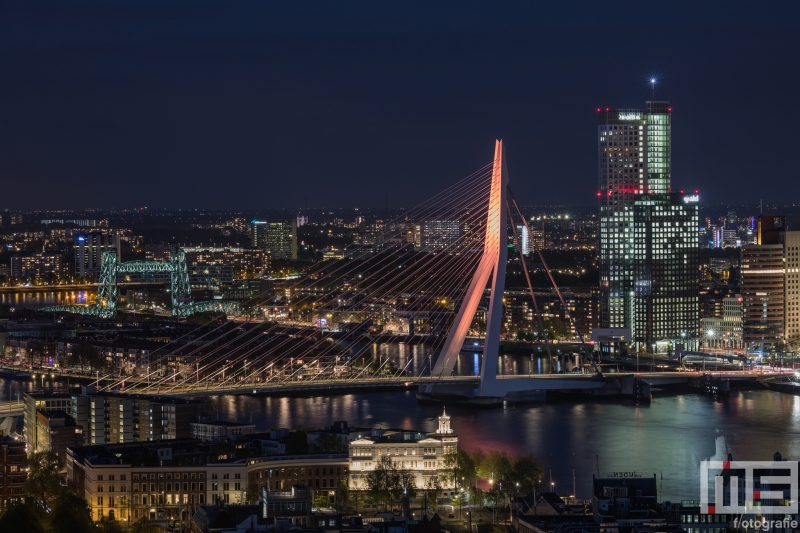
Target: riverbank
[(34, 288)]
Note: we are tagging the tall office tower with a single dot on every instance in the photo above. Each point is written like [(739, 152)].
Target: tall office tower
[(791, 255), (280, 239), (524, 239), (258, 232), (89, 252), (538, 240), (648, 234), (666, 266), (763, 285)]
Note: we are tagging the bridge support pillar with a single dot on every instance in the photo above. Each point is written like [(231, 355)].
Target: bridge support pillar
[(493, 263)]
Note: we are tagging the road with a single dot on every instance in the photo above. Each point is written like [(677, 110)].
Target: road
[(13, 408)]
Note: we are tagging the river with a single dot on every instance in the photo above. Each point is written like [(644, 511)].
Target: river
[(35, 299), (668, 437)]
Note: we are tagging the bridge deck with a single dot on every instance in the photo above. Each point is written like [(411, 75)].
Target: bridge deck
[(525, 382), (11, 408)]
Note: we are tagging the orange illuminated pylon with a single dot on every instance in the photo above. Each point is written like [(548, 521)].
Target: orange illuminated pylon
[(493, 263)]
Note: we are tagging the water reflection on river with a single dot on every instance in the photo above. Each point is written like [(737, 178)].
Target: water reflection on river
[(670, 436), (416, 359), (22, 299)]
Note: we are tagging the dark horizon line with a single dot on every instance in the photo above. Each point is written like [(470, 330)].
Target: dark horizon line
[(313, 208)]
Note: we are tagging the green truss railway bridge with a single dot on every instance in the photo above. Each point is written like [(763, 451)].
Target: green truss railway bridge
[(180, 289)]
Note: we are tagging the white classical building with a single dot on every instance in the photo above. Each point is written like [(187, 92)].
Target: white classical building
[(421, 453)]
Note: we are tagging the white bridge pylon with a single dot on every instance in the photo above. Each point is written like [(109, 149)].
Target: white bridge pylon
[(493, 263)]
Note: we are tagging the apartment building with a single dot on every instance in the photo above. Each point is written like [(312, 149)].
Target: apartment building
[(117, 418), (141, 480), (170, 480), (55, 432), (13, 473)]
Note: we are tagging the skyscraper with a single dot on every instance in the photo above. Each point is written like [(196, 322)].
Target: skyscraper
[(258, 232), (764, 280), (278, 237), (89, 252), (763, 294), (791, 254), (524, 239), (648, 233)]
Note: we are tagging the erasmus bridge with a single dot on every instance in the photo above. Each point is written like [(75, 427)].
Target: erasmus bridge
[(441, 279)]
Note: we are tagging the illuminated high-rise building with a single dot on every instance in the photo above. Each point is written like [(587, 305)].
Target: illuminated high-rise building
[(439, 235), (791, 254), (524, 239), (648, 233), (764, 283), (278, 237), (258, 233), (89, 252)]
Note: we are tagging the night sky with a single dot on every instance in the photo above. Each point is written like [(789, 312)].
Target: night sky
[(257, 105)]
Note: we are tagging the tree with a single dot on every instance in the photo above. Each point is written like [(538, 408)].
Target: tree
[(477, 497), (27, 516), (253, 492), (526, 473), (344, 492), (555, 328), (297, 443), (37, 351), (458, 468), (494, 465), (109, 525), (431, 490), (86, 356), (145, 526), (383, 481), (328, 443), (406, 488), (320, 500), (44, 479), (71, 514)]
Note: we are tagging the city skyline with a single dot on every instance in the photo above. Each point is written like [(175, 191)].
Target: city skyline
[(259, 269), (372, 105)]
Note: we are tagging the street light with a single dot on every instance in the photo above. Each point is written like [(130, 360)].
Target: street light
[(491, 489), (710, 335)]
